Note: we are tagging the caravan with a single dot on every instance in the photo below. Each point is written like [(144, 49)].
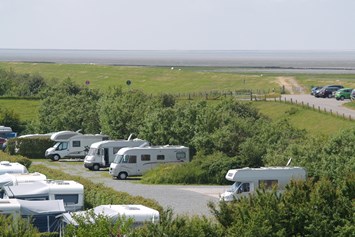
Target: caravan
[(12, 168), (72, 144), (42, 213), (132, 161), (247, 180), (15, 179), (71, 192), (101, 154)]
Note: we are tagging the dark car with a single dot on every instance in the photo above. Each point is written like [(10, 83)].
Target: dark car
[(328, 91), (315, 89)]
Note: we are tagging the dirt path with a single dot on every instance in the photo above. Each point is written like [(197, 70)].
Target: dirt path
[(291, 85)]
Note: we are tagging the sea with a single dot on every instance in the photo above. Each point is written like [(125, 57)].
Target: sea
[(304, 61)]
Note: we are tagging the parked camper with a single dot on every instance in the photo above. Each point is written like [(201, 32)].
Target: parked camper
[(71, 192), (101, 154), (138, 213), (247, 180), (12, 168), (42, 213), (15, 179), (72, 144), (137, 160)]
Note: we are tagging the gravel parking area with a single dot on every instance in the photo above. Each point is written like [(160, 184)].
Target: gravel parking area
[(183, 199)]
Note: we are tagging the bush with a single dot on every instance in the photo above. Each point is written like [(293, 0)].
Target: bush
[(11, 226), (29, 147), (20, 159)]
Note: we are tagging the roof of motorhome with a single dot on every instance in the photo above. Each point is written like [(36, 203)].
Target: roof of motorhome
[(138, 213), (5, 129), (43, 188), (30, 208), (7, 167), (166, 147), (10, 179), (63, 135), (115, 142), (252, 173)]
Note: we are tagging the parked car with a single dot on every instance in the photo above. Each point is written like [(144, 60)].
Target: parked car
[(344, 93), (315, 89), (352, 95), (327, 91)]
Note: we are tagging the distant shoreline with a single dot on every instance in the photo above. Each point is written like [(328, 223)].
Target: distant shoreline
[(233, 61)]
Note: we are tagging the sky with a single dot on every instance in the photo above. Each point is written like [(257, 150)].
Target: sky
[(178, 24)]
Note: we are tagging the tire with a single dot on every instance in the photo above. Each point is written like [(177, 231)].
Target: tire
[(342, 97), (329, 95), (55, 157), (122, 176), (96, 167)]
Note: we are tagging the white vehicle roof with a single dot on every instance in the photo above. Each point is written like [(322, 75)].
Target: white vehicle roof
[(13, 179), (5, 129), (147, 148), (249, 174), (7, 167), (108, 143), (138, 213), (30, 208), (63, 135), (41, 188), (36, 135)]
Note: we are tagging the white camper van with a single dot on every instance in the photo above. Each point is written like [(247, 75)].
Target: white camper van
[(101, 154), (12, 168), (15, 179), (71, 192), (247, 180), (42, 213), (72, 144), (132, 161)]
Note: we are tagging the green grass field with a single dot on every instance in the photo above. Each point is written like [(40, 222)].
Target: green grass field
[(155, 80)]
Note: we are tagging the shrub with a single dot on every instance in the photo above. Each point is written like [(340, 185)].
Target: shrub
[(29, 147), (20, 159)]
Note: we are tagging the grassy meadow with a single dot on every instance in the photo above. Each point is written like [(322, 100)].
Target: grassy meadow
[(156, 80)]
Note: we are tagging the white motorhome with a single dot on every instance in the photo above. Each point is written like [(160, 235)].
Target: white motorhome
[(71, 192), (101, 154), (72, 144), (12, 168), (247, 180), (133, 161), (42, 213), (14, 179), (138, 213)]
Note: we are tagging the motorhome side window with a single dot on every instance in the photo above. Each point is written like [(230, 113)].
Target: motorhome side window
[(76, 143), (132, 159), (180, 155), (160, 157), (67, 198), (267, 184), (39, 198), (244, 187), (145, 157)]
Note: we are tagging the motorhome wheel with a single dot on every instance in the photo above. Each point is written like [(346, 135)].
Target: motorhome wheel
[(122, 175), (95, 167), (55, 157)]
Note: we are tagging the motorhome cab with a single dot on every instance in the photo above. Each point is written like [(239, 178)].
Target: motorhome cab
[(12, 168), (15, 179), (72, 144), (71, 192), (133, 161), (101, 154), (247, 180)]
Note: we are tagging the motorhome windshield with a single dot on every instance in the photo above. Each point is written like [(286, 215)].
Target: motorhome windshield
[(93, 151), (61, 146), (118, 159)]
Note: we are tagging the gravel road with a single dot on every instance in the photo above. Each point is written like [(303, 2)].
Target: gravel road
[(183, 199), (329, 104)]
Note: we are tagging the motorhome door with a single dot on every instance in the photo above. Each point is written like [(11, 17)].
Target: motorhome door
[(106, 156)]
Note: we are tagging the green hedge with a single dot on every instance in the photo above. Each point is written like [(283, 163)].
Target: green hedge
[(20, 159), (29, 147)]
